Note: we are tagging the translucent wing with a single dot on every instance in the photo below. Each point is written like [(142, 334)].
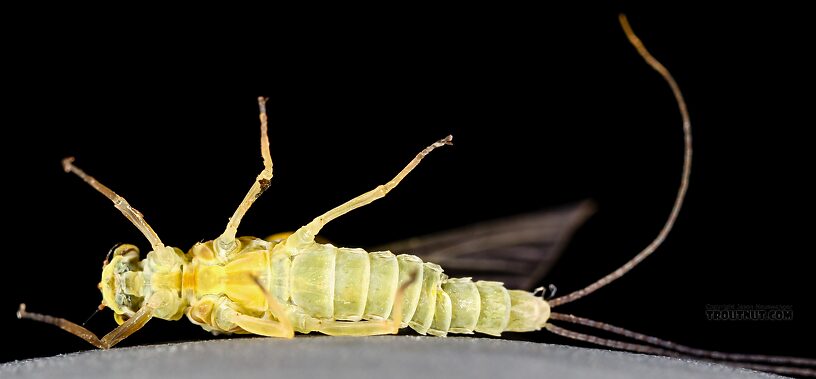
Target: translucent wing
[(517, 250)]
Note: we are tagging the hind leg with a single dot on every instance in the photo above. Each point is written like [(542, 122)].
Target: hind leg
[(306, 234), (359, 328), (370, 327), (264, 327)]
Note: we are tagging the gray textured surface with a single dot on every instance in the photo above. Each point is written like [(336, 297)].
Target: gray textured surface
[(387, 357)]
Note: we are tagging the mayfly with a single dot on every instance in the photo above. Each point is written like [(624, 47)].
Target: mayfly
[(293, 283)]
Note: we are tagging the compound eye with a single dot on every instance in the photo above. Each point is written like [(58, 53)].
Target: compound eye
[(125, 250)]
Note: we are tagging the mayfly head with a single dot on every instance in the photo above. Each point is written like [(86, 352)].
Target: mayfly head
[(122, 283)]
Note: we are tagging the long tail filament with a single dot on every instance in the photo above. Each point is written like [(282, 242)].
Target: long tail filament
[(672, 349), (655, 345), (684, 181)]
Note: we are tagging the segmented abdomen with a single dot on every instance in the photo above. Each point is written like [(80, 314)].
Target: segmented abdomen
[(327, 282)]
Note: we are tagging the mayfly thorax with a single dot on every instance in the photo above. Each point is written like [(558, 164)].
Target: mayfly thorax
[(293, 283)]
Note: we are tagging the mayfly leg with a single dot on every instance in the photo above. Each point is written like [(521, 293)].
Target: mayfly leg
[(145, 313), (119, 202), (226, 241), (306, 234), (370, 327), (133, 324), (280, 327)]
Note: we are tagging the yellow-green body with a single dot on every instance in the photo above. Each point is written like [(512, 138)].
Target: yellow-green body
[(294, 284), (320, 282)]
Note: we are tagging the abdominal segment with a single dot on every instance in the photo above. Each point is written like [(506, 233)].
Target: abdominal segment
[(346, 284)]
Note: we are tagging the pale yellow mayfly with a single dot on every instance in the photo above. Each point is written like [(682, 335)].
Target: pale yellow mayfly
[(280, 286)]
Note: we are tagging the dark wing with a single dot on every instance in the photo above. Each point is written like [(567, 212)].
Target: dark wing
[(517, 250)]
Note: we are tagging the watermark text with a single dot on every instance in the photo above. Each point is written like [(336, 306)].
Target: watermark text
[(749, 312)]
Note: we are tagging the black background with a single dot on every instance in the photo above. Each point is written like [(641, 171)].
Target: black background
[(547, 107)]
